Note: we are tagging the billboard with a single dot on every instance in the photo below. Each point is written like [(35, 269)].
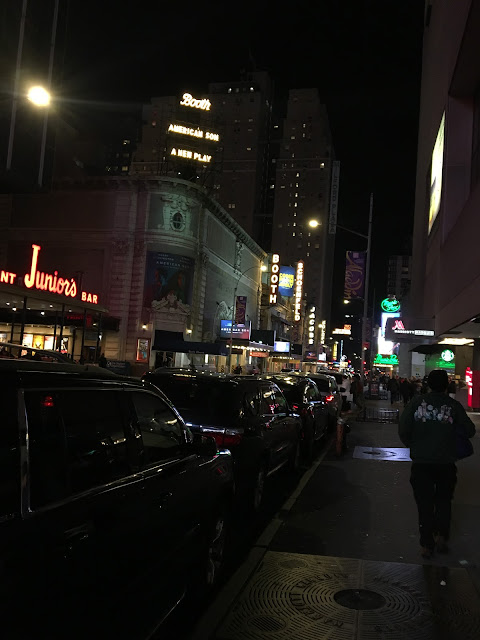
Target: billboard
[(281, 347), (404, 329), (168, 280), (354, 274), (286, 281), (386, 347), (240, 331), (436, 175)]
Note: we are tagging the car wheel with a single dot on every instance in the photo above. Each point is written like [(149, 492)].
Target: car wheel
[(215, 550)]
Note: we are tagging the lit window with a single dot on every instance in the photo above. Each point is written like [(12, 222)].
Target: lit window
[(297, 175), (292, 137), (125, 168), (296, 184), (293, 155), (303, 125), (296, 204), (250, 119), (275, 126), (154, 124), (294, 224), (309, 234), (282, 187), (272, 186), (249, 148), (126, 142), (230, 90), (296, 195), (308, 254), (317, 246), (294, 215), (308, 243), (293, 234), (251, 88), (322, 165)]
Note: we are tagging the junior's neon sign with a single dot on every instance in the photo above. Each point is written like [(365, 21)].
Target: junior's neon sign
[(53, 283)]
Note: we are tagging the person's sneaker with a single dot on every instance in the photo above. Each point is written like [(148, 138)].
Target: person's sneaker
[(426, 553), (441, 545)]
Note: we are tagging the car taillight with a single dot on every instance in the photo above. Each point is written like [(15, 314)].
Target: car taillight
[(295, 407), (232, 438), (329, 398), (215, 433), (47, 401)]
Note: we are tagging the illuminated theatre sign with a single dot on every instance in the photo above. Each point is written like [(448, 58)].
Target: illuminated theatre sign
[(53, 283), (189, 101), (193, 133), (274, 278), (190, 155), (298, 290)]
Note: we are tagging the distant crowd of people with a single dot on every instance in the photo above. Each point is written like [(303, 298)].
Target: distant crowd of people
[(404, 389)]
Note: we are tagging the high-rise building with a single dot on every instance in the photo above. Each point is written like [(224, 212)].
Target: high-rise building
[(399, 276), (302, 197), (236, 115), (244, 110)]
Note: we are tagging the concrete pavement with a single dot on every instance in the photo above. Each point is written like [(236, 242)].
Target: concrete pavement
[(341, 558)]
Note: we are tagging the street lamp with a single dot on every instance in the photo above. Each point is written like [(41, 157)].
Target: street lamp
[(262, 268), (39, 96), (313, 223)]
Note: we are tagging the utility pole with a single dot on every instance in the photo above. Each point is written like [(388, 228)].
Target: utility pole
[(367, 278)]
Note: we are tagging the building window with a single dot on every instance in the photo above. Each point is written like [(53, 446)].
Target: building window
[(249, 148), (125, 168), (322, 165), (292, 137), (308, 254), (231, 206), (317, 246), (126, 142), (293, 234)]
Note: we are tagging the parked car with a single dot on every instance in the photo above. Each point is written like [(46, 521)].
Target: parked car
[(304, 397), (246, 414), (106, 500), (330, 392), (17, 351)]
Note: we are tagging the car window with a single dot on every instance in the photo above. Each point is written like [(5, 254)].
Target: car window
[(76, 442), (201, 401), (252, 403), (311, 392), (160, 428), (267, 401), (322, 384), (290, 389), (9, 457), (280, 402), (334, 385)]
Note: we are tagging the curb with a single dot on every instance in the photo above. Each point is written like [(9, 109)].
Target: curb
[(220, 607)]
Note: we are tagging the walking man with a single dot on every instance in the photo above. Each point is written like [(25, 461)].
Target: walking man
[(427, 426)]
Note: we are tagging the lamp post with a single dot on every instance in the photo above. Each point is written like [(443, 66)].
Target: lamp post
[(367, 277), (262, 268)]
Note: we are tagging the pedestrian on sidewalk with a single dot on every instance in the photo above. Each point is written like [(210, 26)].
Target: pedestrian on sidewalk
[(394, 387), (427, 425)]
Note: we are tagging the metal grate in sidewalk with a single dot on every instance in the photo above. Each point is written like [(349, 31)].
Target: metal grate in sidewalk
[(374, 414)]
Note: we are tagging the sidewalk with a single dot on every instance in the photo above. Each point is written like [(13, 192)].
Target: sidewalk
[(341, 559)]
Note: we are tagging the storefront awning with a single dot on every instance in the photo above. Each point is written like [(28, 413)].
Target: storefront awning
[(174, 341)]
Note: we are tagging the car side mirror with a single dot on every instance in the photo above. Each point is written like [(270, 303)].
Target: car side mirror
[(204, 445)]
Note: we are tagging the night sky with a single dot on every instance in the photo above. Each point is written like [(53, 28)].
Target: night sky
[(363, 55)]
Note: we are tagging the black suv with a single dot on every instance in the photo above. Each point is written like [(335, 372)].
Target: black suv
[(246, 414), (304, 397), (106, 498)]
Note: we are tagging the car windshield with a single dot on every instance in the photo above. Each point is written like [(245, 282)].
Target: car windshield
[(197, 400)]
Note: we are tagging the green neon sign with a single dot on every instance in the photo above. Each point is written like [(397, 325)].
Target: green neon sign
[(390, 305), (386, 359)]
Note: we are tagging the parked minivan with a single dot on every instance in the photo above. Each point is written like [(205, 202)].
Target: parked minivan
[(106, 499), (246, 414)]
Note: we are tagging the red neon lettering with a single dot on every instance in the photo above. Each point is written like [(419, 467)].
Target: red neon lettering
[(398, 325), (95, 298), (84, 296), (12, 277), (45, 281), (7, 276)]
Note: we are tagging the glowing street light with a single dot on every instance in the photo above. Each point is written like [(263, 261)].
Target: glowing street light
[(39, 96), (346, 302), (313, 223)]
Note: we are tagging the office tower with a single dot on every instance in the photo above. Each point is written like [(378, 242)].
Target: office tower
[(302, 197), (399, 276)]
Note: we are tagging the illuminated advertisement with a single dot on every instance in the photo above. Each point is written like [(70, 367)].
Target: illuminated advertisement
[(193, 133), (386, 346), (240, 331), (274, 278), (189, 101), (168, 281), (436, 175), (286, 281), (311, 325), (354, 274), (390, 305), (408, 330), (281, 347), (298, 290), (190, 155)]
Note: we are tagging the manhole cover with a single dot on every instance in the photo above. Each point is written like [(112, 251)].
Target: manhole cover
[(360, 599)]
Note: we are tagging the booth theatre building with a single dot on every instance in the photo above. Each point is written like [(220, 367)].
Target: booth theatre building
[(142, 270)]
